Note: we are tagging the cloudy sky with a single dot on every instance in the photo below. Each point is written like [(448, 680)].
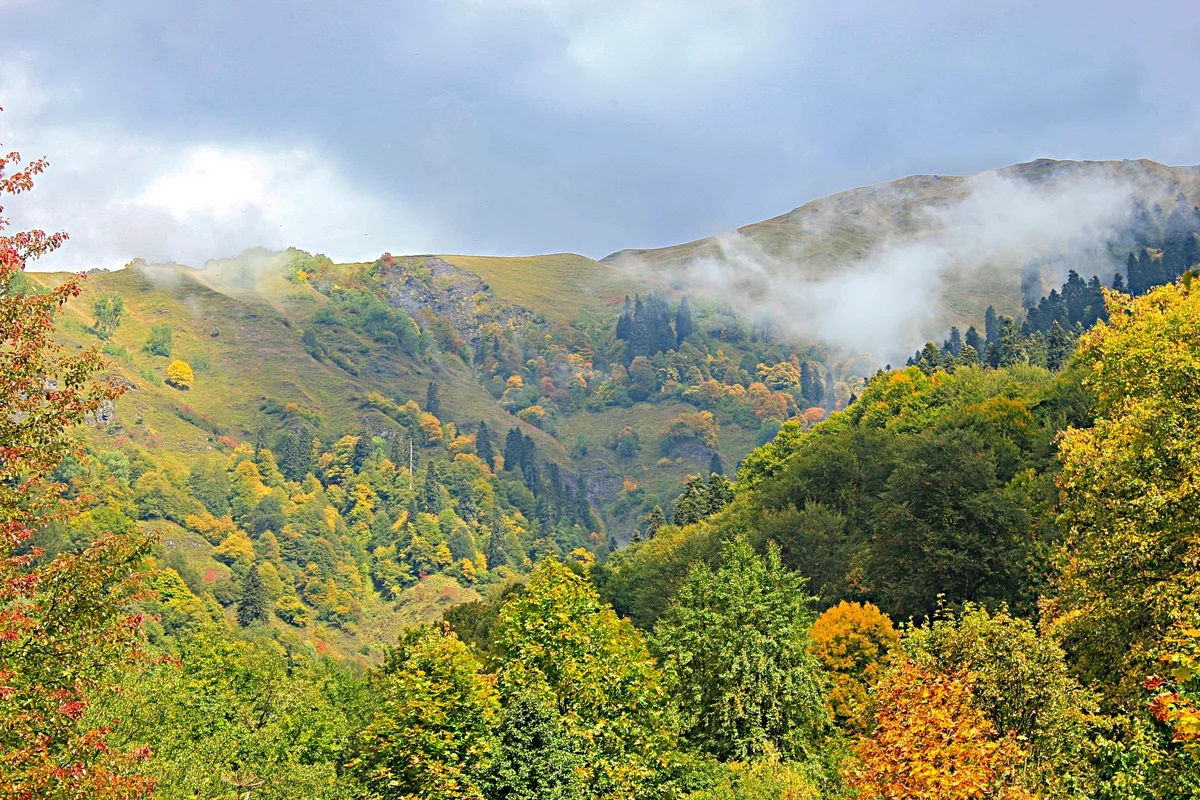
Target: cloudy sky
[(185, 131)]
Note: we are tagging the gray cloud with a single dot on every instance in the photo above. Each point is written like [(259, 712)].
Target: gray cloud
[(517, 126)]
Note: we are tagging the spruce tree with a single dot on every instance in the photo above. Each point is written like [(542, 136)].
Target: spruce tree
[(973, 340), (683, 321), (431, 492), (654, 520), (432, 404), (514, 449), (991, 325), (252, 607), (483, 445), (362, 450)]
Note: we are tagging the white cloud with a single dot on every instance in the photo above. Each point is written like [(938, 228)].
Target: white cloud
[(123, 194)]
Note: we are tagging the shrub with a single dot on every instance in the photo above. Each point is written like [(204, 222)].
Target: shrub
[(158, 343), (179, 375)]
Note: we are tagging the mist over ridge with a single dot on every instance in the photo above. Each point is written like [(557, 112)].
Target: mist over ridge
[(875, 271)]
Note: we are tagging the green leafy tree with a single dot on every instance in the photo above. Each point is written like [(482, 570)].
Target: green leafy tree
[(430, 733), (535, 759), (609, 693), (158, 343), (107, 308), (229, 719), (736, 647)]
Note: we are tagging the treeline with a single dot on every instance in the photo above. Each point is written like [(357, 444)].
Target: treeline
[(1167, 245)]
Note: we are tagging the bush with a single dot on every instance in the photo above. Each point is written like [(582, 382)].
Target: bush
[(158, 343), (179, 375)]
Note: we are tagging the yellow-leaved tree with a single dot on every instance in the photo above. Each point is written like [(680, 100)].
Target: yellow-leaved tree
[(1130, 490), (855, 643), (179, 375)]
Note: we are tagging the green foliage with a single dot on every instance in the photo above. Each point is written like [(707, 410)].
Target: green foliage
[(253, 605), (429, 734), (609, 693), (232, 717), (158, 343), (535, 759), (107, 308), (1022, 684), (735, 647)]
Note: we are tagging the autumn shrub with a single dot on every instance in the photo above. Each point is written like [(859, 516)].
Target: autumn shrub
[(180, 375)]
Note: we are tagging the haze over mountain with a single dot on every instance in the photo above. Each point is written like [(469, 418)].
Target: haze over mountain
[(876, 269)]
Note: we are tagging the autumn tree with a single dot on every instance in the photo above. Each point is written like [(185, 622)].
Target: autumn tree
[(855, 643), (608, 691), (180, 375), (1021, 682), (1130, 488), (930, 742), (63, 620), (430, 731)]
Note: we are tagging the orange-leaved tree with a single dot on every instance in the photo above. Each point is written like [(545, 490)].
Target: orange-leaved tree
[(856, 644), (931, 743), (63, 621)]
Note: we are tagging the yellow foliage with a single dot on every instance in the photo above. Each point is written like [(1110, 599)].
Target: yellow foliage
[(431, 428), (236, 545), (855, 643), (179, 375), (931, 743), (213, 529)]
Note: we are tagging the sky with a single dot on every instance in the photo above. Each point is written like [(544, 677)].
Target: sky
[(189, 131)]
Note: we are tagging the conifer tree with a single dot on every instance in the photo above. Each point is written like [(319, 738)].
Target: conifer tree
[(431, 492), (514, 449), (991, 326), (483, 445), (973, 340), (252, 607), (683, 321), (432, 403), (654, 520), (535, 758), (362, 450)]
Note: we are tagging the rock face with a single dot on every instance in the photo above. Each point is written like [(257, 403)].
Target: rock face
[(427, 284)]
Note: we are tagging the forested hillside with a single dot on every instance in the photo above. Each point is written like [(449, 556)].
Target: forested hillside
[(287, 528)]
